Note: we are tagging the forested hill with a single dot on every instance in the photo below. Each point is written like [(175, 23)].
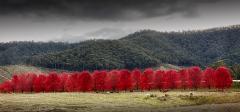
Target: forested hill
[(191, 47), (142, 49), (18, 52)]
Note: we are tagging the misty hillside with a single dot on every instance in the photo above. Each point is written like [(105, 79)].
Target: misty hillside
[(142, 49)]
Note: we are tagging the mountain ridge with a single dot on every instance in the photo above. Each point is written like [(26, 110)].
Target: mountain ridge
[(146, 48)]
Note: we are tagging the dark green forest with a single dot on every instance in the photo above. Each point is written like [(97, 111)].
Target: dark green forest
[(146, 48)]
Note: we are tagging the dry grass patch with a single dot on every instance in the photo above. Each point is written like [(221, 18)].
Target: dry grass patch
[(109, 102)]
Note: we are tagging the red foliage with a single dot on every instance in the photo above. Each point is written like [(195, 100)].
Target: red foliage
[(125, 82), (86, 81), (119, 80), (165, 81), (6, 86), (63, 79), (71, 83), (23, 82), (28, 82), (147, 82), (112, 80), (195, 76), (185, 79), (99, 80), (158, 80), (136, 79), (208, 78), (223, 78), (17, 86), (94, 75), (39, 83), (173, 79), (52, 83), (78, 81)]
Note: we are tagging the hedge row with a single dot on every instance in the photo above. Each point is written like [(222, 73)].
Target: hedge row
[(120, 80)]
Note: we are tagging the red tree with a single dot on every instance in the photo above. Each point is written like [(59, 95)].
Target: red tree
[(158, 80), (195, 76), (6, 86), (17, 87), (52, 82), (86, 81), (23, 82), (136, 78), (208, 78), (125, 80), (39, 83), (99, 80), (63, 79), (94, 75), (223, 78), (28, 80), (165, 81), (147, 79), (185, 79), (78, 81), (112, 80), (71, 83), (173, 79)]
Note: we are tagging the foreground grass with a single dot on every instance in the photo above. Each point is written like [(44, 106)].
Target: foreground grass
[(112, 102)]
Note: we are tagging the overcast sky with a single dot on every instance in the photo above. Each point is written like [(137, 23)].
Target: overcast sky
[(70, 20)]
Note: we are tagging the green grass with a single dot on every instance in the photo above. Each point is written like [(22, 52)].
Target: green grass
[(112, 102)]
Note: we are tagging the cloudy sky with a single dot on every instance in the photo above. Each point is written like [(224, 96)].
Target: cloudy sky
[(75, 20)]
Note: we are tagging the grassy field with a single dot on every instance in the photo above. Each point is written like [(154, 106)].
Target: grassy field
[(113, 102), (173, 101)]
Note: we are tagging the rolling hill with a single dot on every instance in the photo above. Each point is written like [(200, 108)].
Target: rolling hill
[(146, 48)]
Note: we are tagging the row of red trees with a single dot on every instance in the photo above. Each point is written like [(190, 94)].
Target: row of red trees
[(120, 80)]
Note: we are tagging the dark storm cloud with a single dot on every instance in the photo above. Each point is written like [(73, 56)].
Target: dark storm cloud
[(101, 9)]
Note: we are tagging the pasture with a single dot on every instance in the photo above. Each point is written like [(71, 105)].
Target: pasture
[(175, 100)]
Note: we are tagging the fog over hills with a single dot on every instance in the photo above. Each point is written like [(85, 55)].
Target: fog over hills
[(105, 33)]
